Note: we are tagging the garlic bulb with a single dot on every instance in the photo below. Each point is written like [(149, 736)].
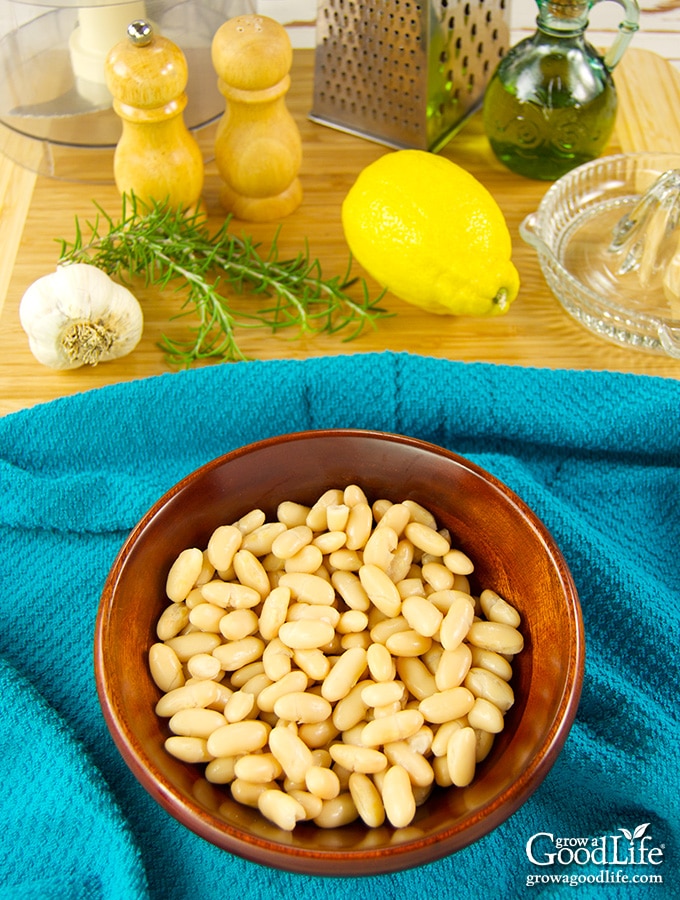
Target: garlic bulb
[(79, 316)]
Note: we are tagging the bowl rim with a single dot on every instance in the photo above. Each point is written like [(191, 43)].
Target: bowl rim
[(327, 861)]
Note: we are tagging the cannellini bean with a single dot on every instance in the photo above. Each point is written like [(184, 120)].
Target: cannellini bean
[(261, 540), (344, 674), (188, 749), (397, 796), (206, 617), (280, 808), (457, 623), (396, 516), (277, 659), (350, 588), (452, 667), (422, 616), (248, 792), (496, 609), (239, 706), (292, 753), (250, 521), (251, 573), (418, 513), (496, 636), (308, 560), (230, 594), (317, 515), (237, 738), (221, 770), (351, 709), (172, 620), (306, 634), (223, 544), (396, 727), (380, 662), (382, 693), (337, 812), (165, 667), (408, 643), (312, 805), (419, 770), (416, 676), (322, 782), (345, 560), (302, 706), (291, 541), (426, 539), (293, 681), (460, 756), (260, 768), (193, 642), (494, 662), (402, 561), (183, 574), (367, 799), (238, 653), (291, 513), (445, 705), (458, 562), (381, 590), (199, 722), (437, 576), (484, 683), (308, 588), (204, 665), (318, 734), (274, 611), (358, 759), (485, 716), (314, 663)]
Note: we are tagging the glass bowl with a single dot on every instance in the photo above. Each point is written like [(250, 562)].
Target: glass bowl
[(594, 272)]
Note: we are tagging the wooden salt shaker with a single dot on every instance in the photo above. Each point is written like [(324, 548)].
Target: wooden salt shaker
[(157, 157), (258, 150)]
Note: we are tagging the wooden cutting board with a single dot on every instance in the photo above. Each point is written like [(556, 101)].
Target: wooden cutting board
[(536, 331), (649, 103)]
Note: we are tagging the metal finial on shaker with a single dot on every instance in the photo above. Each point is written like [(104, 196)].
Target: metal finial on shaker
[(156, 158), (258, 150)]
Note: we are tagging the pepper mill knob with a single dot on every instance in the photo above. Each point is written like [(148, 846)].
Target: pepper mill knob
[(258, 150), (156, 158)]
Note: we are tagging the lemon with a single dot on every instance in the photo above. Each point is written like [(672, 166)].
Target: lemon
[(432, 234)]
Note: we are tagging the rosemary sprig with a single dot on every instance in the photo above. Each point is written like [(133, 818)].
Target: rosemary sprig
[(166, 247)]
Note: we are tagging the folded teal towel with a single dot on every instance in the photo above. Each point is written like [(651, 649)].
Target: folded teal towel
[(595, 454)]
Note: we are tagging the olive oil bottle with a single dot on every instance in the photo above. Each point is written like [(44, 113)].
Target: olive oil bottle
[(551, 103)]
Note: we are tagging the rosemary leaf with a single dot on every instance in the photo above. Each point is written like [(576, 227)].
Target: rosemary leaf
[(167, 249)]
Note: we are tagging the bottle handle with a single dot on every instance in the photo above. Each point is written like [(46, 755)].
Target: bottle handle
[(627, 28)]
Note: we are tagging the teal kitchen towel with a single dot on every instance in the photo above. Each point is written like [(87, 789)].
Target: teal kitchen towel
[(595, 454)]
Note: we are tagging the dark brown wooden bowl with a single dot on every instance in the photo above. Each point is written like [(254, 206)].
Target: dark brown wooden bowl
[(513, 553)]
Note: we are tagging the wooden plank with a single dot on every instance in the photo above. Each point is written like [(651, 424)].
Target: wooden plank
[(536, 331)]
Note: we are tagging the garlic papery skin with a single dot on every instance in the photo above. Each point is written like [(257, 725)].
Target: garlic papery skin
[(79, 316)]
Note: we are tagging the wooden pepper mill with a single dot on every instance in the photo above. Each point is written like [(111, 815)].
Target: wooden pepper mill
[(258, 150), (157, 157)]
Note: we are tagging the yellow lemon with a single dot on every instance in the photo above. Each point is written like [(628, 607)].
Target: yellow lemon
[(432, 234)]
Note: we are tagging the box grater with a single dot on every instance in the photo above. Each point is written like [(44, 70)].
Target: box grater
[(404, 73)]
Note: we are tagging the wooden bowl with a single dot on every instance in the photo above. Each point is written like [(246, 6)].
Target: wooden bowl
[(513, 553)]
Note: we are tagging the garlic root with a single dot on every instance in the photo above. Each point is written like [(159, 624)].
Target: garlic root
[(79, 316)]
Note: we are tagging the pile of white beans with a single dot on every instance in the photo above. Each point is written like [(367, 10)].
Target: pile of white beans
[(332, 664)]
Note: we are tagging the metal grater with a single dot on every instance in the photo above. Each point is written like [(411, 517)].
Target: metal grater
[(403, 73)]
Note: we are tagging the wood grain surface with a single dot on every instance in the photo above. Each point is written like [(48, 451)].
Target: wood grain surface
[(535, 332)]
